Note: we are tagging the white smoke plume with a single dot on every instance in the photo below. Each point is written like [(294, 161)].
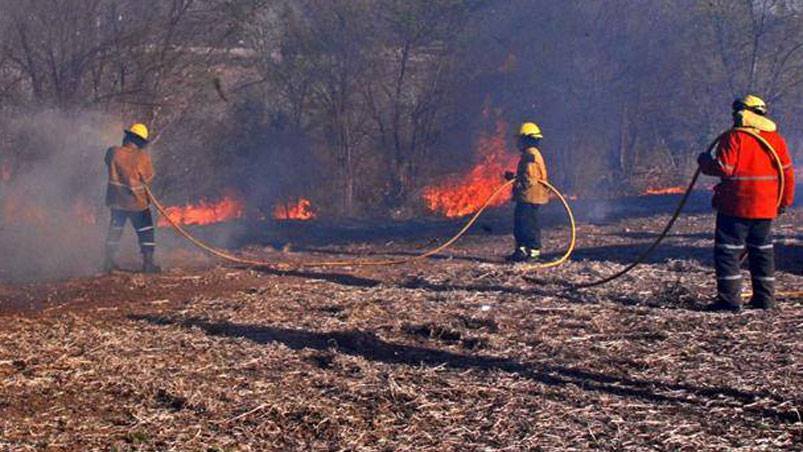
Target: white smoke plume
[(52, 218)]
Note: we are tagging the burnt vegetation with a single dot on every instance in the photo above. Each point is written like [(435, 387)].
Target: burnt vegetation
[(451, 354)]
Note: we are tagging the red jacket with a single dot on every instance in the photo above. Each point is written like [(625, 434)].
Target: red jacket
[(750, 182)]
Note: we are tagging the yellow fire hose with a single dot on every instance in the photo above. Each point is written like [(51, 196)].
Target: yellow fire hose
[(647, 251), (347, 263), (562, 259)]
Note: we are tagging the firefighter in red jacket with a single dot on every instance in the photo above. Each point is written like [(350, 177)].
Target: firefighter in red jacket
[(746, 201)]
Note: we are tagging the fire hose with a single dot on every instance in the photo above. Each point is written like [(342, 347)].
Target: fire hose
[(560, 260), (647, 251), (348, 263)]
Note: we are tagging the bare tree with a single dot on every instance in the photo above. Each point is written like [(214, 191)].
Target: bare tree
[(320, 65), (380, 96), (411, 79)]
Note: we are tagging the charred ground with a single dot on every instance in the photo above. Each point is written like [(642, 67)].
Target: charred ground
[(461, 352)]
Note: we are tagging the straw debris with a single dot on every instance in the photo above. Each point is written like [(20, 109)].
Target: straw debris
[(456, 354)]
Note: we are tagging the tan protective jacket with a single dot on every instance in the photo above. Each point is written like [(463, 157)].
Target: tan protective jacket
[(129, 169), (530, 170)]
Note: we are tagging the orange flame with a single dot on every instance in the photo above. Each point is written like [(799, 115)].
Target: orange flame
[(665, 191), (204, 212), (461, 196), (300, 210)]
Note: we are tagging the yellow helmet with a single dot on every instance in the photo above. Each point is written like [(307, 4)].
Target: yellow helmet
[(139, 130), (530, 129), (751, 102)]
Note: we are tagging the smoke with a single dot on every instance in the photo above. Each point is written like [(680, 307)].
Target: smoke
[(600, 211), (52, 218)]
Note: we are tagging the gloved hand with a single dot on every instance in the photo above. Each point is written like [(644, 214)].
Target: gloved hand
[(703, 158), (510, 175)]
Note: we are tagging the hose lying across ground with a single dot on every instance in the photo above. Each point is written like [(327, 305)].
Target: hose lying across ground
[(647, 251), (562, 259), (362, 263)]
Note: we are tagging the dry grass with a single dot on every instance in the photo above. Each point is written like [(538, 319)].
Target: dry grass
[(447, 355)]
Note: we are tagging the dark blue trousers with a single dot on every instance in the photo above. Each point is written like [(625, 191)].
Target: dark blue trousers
[(735, 236), (527, 225), (142, 222)]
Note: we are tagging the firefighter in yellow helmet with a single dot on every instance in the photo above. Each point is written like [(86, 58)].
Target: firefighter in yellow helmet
[(130, 169), (528, 194), (746, 200)]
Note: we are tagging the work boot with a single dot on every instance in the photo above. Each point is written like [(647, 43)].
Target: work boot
[(148, 266), (763, 293), (768, 304), (520, 255), (728, 296), (721, 305)]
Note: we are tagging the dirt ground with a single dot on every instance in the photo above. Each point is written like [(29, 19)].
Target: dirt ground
[(461, 352)]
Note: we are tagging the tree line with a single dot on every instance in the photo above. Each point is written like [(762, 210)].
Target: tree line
[(359, 104)]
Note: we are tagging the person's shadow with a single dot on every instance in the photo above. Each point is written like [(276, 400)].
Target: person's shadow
[(367, 345)]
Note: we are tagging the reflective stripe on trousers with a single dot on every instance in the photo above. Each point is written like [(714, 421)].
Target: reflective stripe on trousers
[(142, 222), (734, 236)]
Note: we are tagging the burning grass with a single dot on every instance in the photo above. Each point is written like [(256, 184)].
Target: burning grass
[(458, 354), (228, 208), (300, 210), (665, 191), (460, 196)]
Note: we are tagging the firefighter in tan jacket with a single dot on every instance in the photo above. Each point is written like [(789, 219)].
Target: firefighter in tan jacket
[(528, 194), (130, 169)]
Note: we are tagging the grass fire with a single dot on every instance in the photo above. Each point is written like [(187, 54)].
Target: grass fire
[(420, 225), (458, 196), (228, 208), (665, 191), (300, 210)]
